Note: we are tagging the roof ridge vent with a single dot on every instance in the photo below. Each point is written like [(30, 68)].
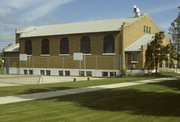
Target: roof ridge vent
[(137, 11)]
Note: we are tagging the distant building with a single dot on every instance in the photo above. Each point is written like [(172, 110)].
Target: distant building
[(108, 47)]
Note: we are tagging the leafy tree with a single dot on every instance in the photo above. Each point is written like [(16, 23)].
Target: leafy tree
[(156, 52), (1, 63), (174, 31)]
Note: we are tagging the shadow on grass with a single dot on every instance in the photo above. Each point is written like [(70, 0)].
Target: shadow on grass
[(161, 75), (35, 90), (135, 101), (173, 84)]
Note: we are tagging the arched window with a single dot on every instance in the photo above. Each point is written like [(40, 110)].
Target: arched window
[(28, 47), (64, 46), (108, 44), (45, 46), (85, 45)]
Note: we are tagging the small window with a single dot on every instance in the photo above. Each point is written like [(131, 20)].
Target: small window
[(67, 73), (25, 72), (149, 30), (31, 72), (112, 74), (42, 72), (144, 29), (48, 72), (61, 73), (105, 74), (88, 73), (134, 56), (81, 73), (108, 44)]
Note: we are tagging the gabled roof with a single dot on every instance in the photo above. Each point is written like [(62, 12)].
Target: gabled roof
[(136, 46), (12, 48), (76, 28)]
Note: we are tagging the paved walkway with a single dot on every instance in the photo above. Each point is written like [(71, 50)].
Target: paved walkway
[(42, 95)]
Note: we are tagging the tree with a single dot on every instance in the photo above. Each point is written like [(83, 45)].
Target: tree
[(174, 31), (156, 52)]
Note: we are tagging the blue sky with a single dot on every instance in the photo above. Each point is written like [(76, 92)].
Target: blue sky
[(17, 14)]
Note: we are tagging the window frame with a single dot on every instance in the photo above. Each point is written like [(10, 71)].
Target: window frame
[(108, 39), (134, 57)]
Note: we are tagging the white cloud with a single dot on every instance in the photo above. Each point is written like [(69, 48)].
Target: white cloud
[(44, 9), (162, 9), (16, 14)]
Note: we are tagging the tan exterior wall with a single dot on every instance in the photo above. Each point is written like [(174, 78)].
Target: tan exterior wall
[(95, 61), (135, 31), (11, 59)]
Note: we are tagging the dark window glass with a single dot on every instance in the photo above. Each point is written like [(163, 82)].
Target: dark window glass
[(42, 72), (105, 74), (85, 45), (28, 47), (48, 72), (81, 73), (67, 73), (61, 73), (88, 73), (45, 46), (108, 44), (31, 72), (64, 46), (25, 72), (112, 74), (144, 29)]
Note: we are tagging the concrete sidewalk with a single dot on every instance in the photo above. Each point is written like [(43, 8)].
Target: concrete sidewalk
[(42, 95)]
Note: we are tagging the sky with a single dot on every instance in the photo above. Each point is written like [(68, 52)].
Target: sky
[(18, 14)]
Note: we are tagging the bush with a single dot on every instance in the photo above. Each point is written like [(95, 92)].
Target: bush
[(123, 73)]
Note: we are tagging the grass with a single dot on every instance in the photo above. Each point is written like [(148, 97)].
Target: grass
[(1, 70), (158, 102), (27, 89)]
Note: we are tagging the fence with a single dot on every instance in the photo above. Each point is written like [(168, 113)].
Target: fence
[(89, 63)]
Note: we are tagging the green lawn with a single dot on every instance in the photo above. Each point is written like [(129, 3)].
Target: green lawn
[(27, 89), (1, 70), (158, 102)]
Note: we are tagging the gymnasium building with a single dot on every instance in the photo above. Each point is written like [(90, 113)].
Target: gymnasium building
[(100, 48)]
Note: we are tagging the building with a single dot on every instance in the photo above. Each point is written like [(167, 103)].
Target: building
[(108, 47)]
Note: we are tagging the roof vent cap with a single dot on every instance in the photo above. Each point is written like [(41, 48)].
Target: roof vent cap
[(137, 11)]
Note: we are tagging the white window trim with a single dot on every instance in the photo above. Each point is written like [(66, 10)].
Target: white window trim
[(64, 54), (88, 54), (109, 54), (134, 62), (45, 55)]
